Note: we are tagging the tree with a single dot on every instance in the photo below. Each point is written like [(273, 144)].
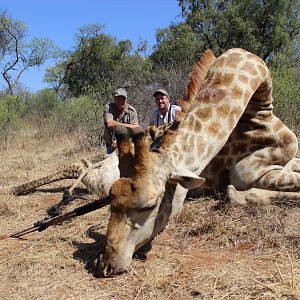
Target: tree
[(285, 70), (176, 46), (262, 27), (16, 55), (98, 64)]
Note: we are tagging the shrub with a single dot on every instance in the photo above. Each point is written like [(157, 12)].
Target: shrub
[(11, 110), (82, 115), (286, 90)]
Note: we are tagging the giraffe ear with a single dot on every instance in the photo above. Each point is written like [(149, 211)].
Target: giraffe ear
[(186, 179)]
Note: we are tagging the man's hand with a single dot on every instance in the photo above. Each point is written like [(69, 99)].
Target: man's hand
[(111, 123), (132, 126)]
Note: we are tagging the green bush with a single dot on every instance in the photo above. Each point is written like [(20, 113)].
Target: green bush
[(11, 111), (82, 115), (286, 91), (39, 108)]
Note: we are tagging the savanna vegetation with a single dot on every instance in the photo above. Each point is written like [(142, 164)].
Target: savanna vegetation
[(82, 79), (211, 251)]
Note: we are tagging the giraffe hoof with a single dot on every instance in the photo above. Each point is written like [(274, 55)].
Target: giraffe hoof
[(234, 196), (53, 211)]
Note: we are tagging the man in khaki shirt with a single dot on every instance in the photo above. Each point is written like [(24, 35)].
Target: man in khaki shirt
[(118, 113)]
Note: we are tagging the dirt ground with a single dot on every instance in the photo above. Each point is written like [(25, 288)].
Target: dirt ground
[(211, 251)]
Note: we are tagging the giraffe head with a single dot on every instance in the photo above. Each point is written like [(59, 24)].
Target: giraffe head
[(142, 201)]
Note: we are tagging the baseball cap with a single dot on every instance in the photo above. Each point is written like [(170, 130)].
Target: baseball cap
[(120, 92), (162, 91)]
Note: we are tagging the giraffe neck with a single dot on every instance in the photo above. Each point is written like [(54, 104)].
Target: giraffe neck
[(193, 149), (234, 79)]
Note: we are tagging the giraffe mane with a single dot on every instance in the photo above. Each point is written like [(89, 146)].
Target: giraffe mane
[(198, 73), (196, 79)]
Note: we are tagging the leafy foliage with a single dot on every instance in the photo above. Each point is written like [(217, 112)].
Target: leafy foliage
[(84, 77), (176, 46), (262, 27), (16, 55), (286, 88), (99, 64), (11, 112), (80, 114)]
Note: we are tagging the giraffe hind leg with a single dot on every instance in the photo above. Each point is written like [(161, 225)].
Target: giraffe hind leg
[(276, 186)]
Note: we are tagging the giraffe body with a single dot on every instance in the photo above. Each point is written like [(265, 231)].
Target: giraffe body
[(229, 135)]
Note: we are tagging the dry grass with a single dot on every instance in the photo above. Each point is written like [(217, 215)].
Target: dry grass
[(209, 252)]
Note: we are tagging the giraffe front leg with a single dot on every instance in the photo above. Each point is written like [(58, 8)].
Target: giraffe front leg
[(249, 197), (255, 196), (252, 196)]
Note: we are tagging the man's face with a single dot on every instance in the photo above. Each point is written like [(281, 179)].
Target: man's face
[(120, 102), (162, 101)]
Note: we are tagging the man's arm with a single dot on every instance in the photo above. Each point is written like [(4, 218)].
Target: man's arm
[(113, 124), (134, 120)]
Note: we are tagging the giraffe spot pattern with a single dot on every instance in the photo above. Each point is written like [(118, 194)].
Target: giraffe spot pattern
[(213, 129), (197, 127), (191, 141), (189, 160), (235, 113), (212, 95), (249, 68), (247, 96), (204, 114), (234, 61), (254, 82), (188, 123), (222, 135), (243, 78), (221, 62), (237, 93), (223, 111), (227, 78), (262, 70)]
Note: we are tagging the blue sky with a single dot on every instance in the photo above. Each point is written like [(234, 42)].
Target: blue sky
[(60, 21)]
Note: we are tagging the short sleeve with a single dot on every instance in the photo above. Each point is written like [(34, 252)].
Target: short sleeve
[(134, 119), (177, 108), (108, 113)]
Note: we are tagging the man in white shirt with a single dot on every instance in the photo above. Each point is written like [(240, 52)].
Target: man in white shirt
[(165, 112)]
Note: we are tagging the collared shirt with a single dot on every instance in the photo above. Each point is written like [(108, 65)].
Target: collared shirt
[(157, 118), (128, 116)]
